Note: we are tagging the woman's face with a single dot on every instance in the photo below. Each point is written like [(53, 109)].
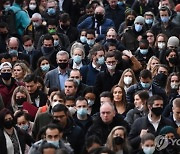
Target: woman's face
[(83, 33), (20, 95), (119, 132), (130, 17), (32, 2), (128, 74), (138, 101), (174, 79), (150, 38), (160, 39), (117, 94), (8, 117), (171, 55), (154, 62), (44, 62), (90, 96), (18, 72), (77, 52), (148, 143)]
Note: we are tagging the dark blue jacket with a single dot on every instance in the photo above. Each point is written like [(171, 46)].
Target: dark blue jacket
[(89, 23)]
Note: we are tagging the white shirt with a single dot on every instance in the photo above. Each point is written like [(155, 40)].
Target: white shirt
[(94, 66), (177, 122), (156, 123)]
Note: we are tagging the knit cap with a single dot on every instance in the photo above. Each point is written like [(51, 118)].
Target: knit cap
[(173, 41), (139, 19)]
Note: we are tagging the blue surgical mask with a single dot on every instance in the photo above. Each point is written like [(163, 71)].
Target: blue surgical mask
[(144, 51), (148, 150), (45, 68), (82, 112), (145, 85), (25, 127), (13, 52), (55, 143), (90, 42), (56, 43), (148, 21), (83, 39), (165, 19), (120, 3), (77, 59), (100, 60), (138, 27), (51, 11)]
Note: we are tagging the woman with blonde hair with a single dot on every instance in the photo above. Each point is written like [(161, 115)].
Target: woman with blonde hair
[(117, 140), (127, 79), (21, 100), (20, 70), (152, 62), (77, 53)]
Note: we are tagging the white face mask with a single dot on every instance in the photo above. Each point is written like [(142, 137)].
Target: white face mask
[(148, 150), (174, 85), (55, 103), (32, 6), (72, 110), (161, 45), (128, 80), (111, 67)]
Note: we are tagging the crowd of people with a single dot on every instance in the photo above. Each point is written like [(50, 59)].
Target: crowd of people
[(89, 77)]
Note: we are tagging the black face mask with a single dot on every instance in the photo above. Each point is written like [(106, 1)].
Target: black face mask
[(6, 76), (8, 124), (157, 110), (65, 27), (20, 101), (3, 35), (118, 140), (111, 41), (161, 79), (99, 17), (173, 60), (63, 65), (129, 22), (48, 49)]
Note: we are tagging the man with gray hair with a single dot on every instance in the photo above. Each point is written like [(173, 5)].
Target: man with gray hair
[(58, 76), (105, 122), (36, 29)]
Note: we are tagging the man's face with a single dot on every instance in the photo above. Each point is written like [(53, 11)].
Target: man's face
[(75, 75), (53, 135), (51, 5), (107, 113), (105, 99), (48, 43), (61, 117), (147, 80), (69, 89), (13, 45), (62, 59), (3, 30), (176, 113), (111, 61), (90, 11), (111, 34), (31, 86), (164, 14), (28, 43), (6, 70), (158, 103), (113, 3), (81, 104)]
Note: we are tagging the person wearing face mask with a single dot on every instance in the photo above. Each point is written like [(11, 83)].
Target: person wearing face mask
[(165, 25), (130, 16), (7, 83), (110, 76), (53, 136), (36, 29), (77, 53), (32, 7), (145, 83), (148, 144), (66, 27), (144, 52), (15, 49), (89, 72), (140, 109), (115, 10), (135, 33), (82, 118), (47, 50), (152, 123), (51, 13), (98, 22), (13, 139), (160, 77), (149, 20), (58, 76), (117, 140), (172, 60)]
